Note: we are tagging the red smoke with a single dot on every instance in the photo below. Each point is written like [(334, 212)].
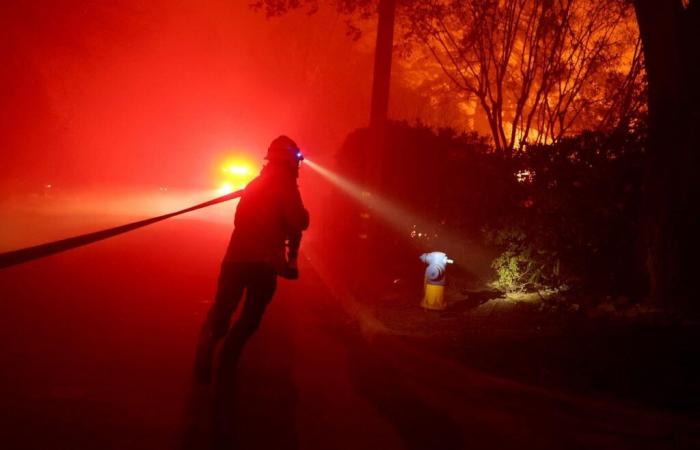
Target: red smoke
[(96, 95)]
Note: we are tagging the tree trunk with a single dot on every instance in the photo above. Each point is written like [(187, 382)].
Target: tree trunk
[(382, 63), (670, 36), (381, 85), (379, 112)]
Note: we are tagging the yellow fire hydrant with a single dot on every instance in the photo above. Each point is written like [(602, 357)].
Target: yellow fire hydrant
[(434, 281)]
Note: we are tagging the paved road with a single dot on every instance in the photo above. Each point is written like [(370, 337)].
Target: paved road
[(96, 348)]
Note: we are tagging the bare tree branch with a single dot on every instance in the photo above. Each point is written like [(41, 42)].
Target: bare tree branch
[(533, 65)]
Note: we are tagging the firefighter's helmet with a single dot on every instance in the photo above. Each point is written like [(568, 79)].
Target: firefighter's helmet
[(284, 150)]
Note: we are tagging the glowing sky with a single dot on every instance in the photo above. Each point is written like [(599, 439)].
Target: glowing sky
[(160, 93)]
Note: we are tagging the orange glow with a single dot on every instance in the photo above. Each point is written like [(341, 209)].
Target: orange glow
[(235, 174), (225, 188), (234, 169)]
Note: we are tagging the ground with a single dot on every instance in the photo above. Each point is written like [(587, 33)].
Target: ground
[(97, 347)]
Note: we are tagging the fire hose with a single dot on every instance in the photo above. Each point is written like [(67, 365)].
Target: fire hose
[(23, 255)]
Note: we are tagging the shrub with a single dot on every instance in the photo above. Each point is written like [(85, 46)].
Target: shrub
[(577, 216), (561, 214), (522, 266)]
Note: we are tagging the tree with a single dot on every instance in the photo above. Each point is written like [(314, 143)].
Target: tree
[(533, 65), (670, 32), (538, 69)]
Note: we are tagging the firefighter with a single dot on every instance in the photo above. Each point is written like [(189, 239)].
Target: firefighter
[(268, 224)]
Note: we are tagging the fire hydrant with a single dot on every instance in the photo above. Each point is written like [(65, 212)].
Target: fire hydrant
[(434, 282)]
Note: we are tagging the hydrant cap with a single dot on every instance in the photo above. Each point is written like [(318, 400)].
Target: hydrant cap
[(434, 258)]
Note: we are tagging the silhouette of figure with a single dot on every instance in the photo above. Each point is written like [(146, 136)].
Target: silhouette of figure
[(268, 225)]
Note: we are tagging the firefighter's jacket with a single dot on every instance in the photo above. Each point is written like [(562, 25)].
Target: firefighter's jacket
[(269, 212)]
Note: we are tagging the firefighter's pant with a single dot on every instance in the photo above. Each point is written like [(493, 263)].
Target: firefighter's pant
[(258, 281)]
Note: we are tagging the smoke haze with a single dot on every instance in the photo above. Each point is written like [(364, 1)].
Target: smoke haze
[(158, 93)]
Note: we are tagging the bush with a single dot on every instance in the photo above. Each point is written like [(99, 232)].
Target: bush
[(522, 266), (577, 216), (562, 214)]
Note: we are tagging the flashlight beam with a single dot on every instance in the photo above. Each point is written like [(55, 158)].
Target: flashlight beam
[(384, 209), (401, 219)]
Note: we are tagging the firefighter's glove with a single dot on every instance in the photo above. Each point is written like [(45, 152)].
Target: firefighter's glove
[(291, 271)]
